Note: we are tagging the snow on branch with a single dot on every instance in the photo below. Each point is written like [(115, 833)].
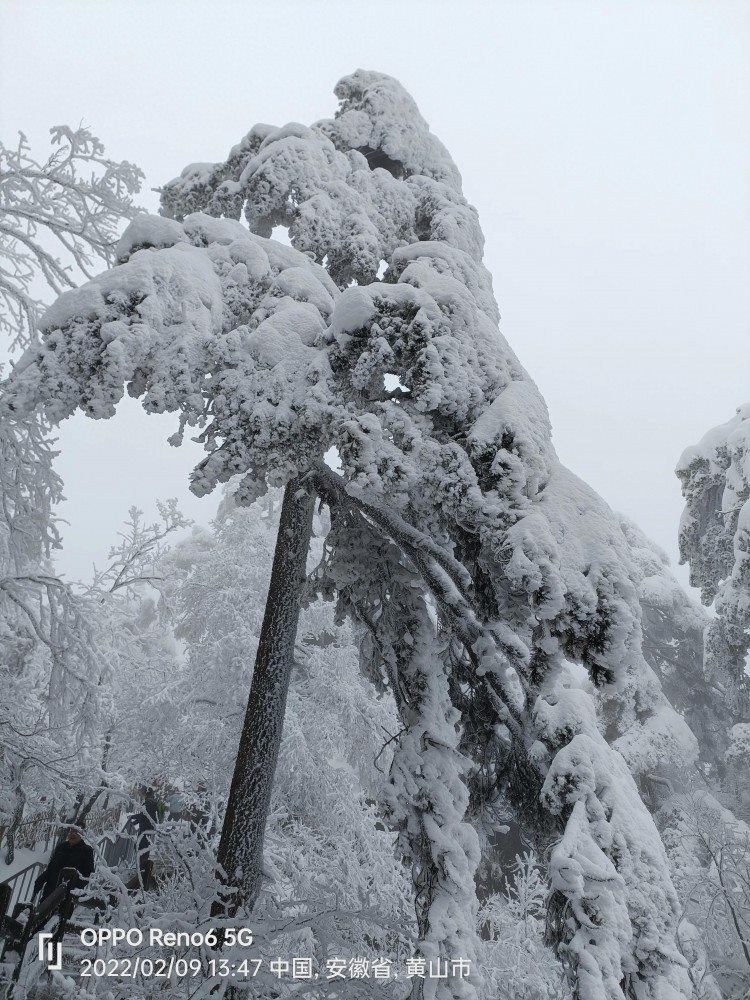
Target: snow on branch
[(278, 354), (60, 219)]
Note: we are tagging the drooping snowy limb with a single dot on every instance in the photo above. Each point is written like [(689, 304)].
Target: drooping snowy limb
[(29, 491), (619, 913), (433, 417), (42, 204), (240, 853), (607, 820), (715, 541), (589, 611), (207, 320), (429, 801), (489, 659), (427, 797)]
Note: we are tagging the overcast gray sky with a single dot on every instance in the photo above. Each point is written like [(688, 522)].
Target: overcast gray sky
[(605, 144)]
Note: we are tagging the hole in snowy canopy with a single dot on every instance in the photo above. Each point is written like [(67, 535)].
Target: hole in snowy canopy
[(377, 158), (332, 459), (393, 382), (382, 268), (281, 235)]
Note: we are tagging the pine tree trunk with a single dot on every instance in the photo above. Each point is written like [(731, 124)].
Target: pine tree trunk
[(241, 846)]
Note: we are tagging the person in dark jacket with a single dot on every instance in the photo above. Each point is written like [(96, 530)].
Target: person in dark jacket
[(151, 805), (73, 852), (145, 823)]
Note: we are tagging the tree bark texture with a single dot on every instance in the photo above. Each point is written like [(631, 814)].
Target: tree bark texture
[(240, 852)]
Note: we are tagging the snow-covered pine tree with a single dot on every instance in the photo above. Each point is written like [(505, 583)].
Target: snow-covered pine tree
[(448, 486), (708, 834), (673, 625), (715, 541)]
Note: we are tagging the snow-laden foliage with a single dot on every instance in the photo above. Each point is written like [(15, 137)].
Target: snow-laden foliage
[(59, 216), (447, 470), (512, 949), (585, 776), (715, 541), (69, 660)]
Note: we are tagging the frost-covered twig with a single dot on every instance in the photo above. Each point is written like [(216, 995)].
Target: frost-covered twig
[(76, 195)]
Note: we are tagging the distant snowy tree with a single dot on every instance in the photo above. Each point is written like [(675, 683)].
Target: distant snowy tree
[(138, 658), (673, 629), (694, 824), (707, 836), (709, 849), (479, 568), (715, 541)]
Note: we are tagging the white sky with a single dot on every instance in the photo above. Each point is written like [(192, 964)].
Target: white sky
[(605, 144)]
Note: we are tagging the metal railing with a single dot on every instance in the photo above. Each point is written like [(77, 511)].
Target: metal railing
[(19, 887), (42, 829), (121, 851), (45, 830)]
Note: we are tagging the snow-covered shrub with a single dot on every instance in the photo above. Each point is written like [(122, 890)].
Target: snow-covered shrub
[(512, 949)]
